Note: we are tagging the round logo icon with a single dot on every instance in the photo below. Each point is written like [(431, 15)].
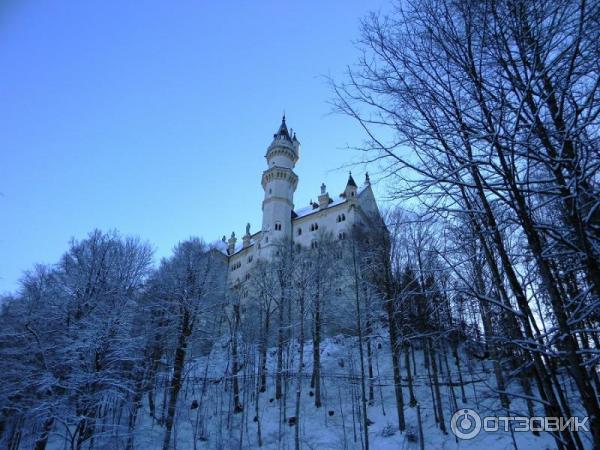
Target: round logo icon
[(465, 424)]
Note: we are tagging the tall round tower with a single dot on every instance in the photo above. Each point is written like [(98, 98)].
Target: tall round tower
[(279, 183)]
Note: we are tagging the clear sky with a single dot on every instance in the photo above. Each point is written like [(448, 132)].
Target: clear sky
[(153, 117)]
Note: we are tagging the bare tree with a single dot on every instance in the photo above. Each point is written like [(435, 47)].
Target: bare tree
[(493, 110), (191, 284)]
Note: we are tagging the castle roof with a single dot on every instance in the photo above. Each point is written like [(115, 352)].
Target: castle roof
[(310, 209), (351, 181), (283, 132)]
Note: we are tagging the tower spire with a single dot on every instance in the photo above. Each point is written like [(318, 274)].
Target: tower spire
[(283, 132), (351, 181)]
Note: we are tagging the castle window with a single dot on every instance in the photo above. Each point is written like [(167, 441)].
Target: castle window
[(314, 227), (341, 217), (250, 258), (277, 226), (299, 231), (342, 235), (247, 276), (338, 292), (314, 244)]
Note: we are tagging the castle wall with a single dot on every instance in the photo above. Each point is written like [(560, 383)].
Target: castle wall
[(327, 221)]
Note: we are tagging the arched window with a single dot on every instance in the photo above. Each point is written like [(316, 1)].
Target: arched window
[(342, 235), (299, 231), (314, 244), (338, 292)]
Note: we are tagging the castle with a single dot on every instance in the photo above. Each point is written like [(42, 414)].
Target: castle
[(280, 220)]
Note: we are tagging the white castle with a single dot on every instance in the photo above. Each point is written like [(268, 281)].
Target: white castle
[(280, 220)]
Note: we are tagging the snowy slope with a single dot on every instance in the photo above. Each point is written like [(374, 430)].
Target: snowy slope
[(336, 425)]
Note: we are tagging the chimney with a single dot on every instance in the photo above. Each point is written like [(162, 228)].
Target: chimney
[(231, 244)]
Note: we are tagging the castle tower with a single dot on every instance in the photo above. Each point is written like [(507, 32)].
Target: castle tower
[(279, 183)]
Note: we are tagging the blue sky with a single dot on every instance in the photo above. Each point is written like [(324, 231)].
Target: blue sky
[(153, 117)]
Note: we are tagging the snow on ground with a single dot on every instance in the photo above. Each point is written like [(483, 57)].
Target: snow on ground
[(332, 426)]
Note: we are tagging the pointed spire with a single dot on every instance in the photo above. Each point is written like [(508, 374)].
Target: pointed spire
[(351, 181), (283, 132)]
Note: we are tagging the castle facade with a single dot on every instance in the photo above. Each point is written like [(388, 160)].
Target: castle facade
[(282, 221)]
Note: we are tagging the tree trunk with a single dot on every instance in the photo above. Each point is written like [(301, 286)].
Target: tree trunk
[(394, 348), (436, 387), (413, 401), (360, 350), (175, 385)]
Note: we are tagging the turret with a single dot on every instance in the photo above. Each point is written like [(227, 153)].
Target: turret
[(231, 244), (351, 188), (279, 183), (284, 150), (324, 199)]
